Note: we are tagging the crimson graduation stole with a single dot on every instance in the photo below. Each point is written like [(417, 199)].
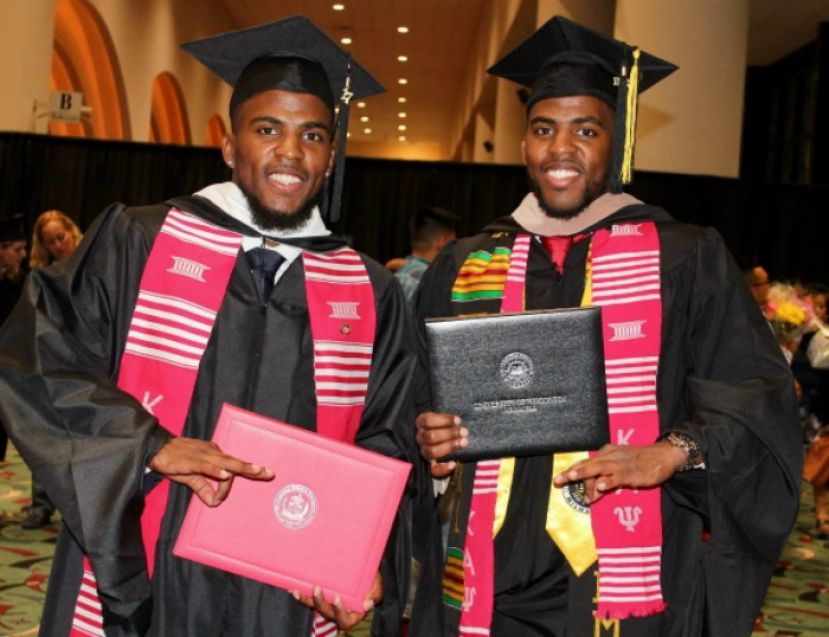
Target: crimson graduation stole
[(182, 288), (623, 278)]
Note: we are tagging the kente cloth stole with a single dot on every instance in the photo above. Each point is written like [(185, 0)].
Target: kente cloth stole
[(623, 278), (181, 291)]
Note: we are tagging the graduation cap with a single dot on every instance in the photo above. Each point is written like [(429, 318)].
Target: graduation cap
[(289, 55), (563, 58), (13, 228)]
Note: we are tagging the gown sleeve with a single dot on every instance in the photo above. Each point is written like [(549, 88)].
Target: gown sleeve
[(387, 427), (87, 441), (730, 389)]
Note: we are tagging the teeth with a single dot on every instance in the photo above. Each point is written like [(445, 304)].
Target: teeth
[(287, 180), (562, 173)]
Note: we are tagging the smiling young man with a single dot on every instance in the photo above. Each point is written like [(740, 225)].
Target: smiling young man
[(116, 364), (675, 527)]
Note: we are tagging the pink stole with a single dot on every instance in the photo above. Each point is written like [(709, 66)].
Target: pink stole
[(181, 291), (624, 276)]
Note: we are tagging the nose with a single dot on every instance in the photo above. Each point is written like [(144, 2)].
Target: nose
[(290, 146), (561, 143)]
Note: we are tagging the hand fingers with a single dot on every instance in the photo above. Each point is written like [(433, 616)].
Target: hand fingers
[(442, 469), (438, 435), (222, 490), (433, 420), (376, 592), (242, 468), (202, 488)]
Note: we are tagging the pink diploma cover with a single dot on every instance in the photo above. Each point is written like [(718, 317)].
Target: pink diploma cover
[(324, 520)]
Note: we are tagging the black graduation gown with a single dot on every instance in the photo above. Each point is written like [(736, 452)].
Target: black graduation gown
[(721, 380), (89, 442)]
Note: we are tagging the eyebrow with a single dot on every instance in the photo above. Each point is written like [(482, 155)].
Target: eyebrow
[(275, 121), (539, 119)]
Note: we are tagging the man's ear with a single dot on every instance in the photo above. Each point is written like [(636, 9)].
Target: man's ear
[(330, 168), (524, 151), (228, 146)]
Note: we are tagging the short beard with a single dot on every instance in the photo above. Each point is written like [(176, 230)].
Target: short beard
[(593, 192), (268, 218)]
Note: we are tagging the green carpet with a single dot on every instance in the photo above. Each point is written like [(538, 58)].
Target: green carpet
[(25, 556), (797, 603)]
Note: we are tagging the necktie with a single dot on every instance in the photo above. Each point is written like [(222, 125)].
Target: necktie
[(558, 248), (263, 266)]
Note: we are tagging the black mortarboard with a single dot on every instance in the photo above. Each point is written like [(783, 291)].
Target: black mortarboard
[(291, 55), (563, 58), (13, 228)]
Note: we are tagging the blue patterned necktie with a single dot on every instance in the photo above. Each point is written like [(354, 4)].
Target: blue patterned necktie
[(263, 266)]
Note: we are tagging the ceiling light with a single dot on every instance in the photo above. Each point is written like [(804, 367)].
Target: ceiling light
[(402, 29), (401, 115), (345, 41), (402, 100), (402, 58), (402, 138), (348, 134), (367, 131), (361, 104), (338, 7), (401, 127), (364, 118), (402, 80)]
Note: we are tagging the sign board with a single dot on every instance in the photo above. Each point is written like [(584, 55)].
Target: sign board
[(65, 106)]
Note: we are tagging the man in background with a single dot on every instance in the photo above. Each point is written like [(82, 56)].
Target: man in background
[(12, 275), (431, 230)]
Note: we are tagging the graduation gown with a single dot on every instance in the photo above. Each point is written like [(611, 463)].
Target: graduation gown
[(721, 380), (89, 442)]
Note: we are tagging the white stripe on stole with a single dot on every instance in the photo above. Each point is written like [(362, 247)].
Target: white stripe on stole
[(325, 372), (87, 628), (518, 261), (154, 326), (330, 278), (203, 243), (626, 256), (601, 285), (158, 354), (362, 348), (187, 224), (172, 316), (178, 303)]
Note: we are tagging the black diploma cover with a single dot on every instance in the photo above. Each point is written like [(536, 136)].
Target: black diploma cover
[(525, 384)]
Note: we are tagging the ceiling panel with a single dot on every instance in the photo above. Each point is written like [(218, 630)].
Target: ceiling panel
[(437, 46)]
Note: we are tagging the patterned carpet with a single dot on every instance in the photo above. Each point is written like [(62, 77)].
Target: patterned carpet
[(25, 556), (797, 603)]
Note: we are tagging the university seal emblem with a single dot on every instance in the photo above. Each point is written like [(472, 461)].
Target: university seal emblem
[(517, 370), (295, 506)]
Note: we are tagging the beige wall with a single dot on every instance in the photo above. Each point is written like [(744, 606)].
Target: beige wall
[(146, 36), (26, 28), (692, 121)]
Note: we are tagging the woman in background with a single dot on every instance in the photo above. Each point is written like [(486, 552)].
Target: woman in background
[(54, 238)]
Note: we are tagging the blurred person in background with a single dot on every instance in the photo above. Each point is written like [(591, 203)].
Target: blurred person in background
[(54, 238), (431, 229), (12, 253)]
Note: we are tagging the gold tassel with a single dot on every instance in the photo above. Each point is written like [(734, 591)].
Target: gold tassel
[(630, 119)]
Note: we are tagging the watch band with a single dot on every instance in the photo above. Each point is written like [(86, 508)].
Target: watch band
[(693, 457)]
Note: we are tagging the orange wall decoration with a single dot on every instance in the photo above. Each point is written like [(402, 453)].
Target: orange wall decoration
[(168, 119), (84, 60), (216, 131)]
